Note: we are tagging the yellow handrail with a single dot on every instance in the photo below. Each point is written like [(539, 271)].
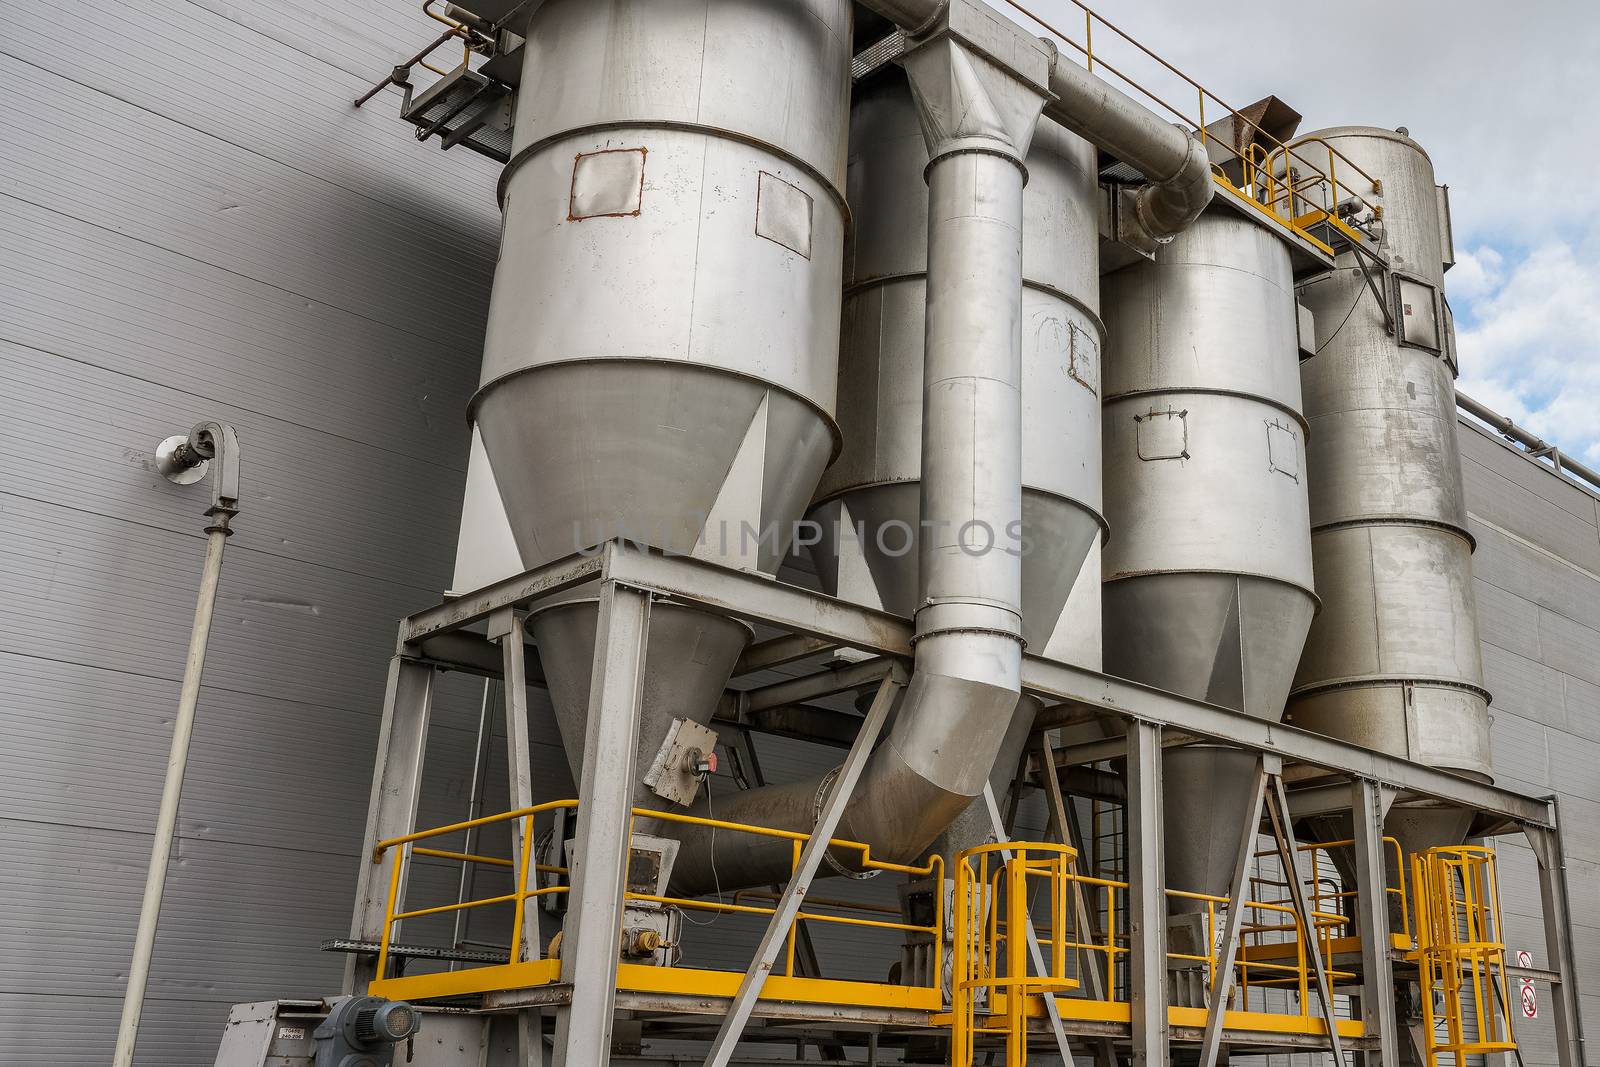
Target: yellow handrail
[(991, 951), (1260, 183), (934, 867)]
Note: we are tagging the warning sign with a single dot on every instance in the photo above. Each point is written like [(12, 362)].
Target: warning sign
[(1530, 999)]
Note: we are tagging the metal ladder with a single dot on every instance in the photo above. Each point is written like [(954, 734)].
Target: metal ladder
[(1461, 954)]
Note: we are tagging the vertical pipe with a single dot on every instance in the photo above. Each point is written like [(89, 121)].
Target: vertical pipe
[(144, 939), (972, 400)]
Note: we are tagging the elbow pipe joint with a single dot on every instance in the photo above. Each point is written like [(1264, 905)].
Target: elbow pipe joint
[(1164, 209)]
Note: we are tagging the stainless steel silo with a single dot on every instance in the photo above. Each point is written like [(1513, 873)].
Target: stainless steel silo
[(1393, 662), (1208, 582), (662, 344), (873, 493)]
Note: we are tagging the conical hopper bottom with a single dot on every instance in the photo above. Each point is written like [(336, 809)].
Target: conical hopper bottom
[(1227, 639), (688, 660)]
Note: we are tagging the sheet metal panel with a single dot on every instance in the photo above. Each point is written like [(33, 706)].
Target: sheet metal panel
[(1485, 450), (90, 427), (197, 223)]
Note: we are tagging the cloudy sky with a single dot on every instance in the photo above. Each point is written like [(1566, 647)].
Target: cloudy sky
[(1502, 95)]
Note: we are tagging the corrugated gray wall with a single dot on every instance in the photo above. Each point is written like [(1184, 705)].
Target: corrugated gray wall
[(194, 222), (1537, 571)]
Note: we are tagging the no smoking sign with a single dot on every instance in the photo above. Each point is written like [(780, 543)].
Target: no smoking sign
[(1530, 999)]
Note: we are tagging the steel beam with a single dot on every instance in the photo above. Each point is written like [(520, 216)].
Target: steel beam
[(505, 626), (514, 592), (789, 901), (392, 808), (1147, 906), (1367, 809), (1283, 835), (822, 684), (777, 651), (761, 599), (592, 934), (1076, 685), (1548, 850), (1222, 977)]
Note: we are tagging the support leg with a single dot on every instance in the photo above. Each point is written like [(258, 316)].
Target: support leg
[(1147, 906), (506, 627), (1283, 835), (788, 906), (1367, 809), (392, 810), (593, 932), (1222, 977), (1558, 941)]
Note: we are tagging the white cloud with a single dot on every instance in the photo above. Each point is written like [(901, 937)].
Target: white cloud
[(1532, 349), (1478, 273)]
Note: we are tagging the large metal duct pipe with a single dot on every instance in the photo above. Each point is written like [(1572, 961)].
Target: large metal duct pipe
[(1174, 163), (871, 496), (1208, 575), (977, 120), (661, 357), (1393, 662)]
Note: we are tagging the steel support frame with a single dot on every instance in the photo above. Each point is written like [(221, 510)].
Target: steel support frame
[(1222, 977), (1556, 903), (630, 575), (760, 599), (1288, 851), (592, 932), (1369, 803), (789, 901), (1147, 905), (505, 626), (392, 809)]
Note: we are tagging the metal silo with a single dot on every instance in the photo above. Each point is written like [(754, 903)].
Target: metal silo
[(661, 354), (1393, 662), (875, 486), (1208, 588), (873, 492)]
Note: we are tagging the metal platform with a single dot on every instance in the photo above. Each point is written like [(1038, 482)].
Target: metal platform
[(579, 992)]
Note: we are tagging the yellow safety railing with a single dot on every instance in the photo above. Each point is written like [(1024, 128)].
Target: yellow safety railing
[(991, 949), (1296, 185), (1460, 952), (460, 27), (409, 843), (1327, 892), (992, 986)]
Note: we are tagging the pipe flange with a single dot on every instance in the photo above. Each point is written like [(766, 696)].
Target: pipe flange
[(816, 816)]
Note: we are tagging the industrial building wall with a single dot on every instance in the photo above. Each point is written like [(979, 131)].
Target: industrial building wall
[(1537, 570), (195, 223)]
